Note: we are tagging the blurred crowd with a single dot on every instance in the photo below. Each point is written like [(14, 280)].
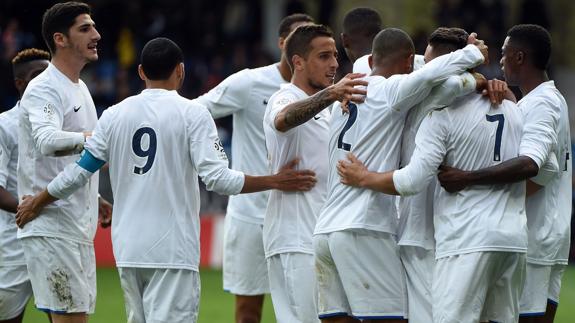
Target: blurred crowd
[(220, 37)]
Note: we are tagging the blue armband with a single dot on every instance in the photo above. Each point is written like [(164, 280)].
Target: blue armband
[(89, 162)]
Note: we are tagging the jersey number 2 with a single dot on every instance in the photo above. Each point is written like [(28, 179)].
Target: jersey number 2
[(500, 119), (149, 153), (350, 121)]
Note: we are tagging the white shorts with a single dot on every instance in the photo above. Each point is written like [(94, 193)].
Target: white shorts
[(478, 287), (542, 285), (245, 268), (156, 295), (359, 274), (15, 291), (292, 286), (62, 273), (418, 264)]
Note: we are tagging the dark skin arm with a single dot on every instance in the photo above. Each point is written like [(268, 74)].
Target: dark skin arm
[(510, 171), (8, 202), (297, 113)]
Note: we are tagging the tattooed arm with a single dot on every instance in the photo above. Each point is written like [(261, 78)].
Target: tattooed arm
[(297, 113)]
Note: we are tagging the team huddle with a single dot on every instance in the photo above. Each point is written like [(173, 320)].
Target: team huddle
[(412, 189)]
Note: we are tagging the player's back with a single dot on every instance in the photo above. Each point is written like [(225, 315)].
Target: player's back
[(154, 179), (480, 218), (372, 132)]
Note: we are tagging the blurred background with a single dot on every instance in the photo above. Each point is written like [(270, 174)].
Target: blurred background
[(220, 37)]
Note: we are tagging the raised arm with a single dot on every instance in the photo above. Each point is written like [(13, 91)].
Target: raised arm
[(297, 113)]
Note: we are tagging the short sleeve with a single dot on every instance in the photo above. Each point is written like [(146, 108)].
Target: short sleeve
[(539, 136)]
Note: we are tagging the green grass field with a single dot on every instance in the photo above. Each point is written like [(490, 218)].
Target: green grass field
[(217, 306)]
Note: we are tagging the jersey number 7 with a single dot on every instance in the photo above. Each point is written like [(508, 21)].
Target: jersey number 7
[(500, 119)]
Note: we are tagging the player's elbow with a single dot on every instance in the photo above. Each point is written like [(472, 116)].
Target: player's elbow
[(279, 123), (530, 168)]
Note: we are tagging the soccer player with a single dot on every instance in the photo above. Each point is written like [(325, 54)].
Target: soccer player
[(360, 276), (245, 95), (56, 115), (157, 143), (15, 288), (480, 232), (360, 25), (296, 125), (526, 53)]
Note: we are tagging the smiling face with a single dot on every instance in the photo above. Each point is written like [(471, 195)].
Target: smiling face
[(320, 64), (82, 39)]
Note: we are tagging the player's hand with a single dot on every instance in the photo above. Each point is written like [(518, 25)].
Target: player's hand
[(345, 90), (351, 172), (452, 179), (27, 211), (496, 91), (290, 180), (104, 213), (472, 39)]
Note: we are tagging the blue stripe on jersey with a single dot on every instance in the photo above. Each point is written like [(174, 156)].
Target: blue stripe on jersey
[(89, 162), (336, 314), (552, 302), (47, 310), (532, 314)]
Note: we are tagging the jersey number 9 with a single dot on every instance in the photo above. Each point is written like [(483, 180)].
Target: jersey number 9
[(149, 153)]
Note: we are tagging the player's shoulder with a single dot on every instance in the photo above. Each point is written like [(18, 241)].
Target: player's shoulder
[(9, 121)]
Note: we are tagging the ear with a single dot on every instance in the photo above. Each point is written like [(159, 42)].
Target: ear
[(370, 61), (281, 43), (520, 57), (298, 63), (141, 73), (60, 40), (181, 71), (409, 62), (20, 85)]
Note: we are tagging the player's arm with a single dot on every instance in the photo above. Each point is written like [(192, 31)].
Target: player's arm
[(406, 91), (297, 113), (538, 139), (7, 201), (46, 119), (211, 163), (228, 97), (428, 155)]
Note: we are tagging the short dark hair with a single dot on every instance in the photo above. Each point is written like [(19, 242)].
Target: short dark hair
[(26, 56), (391, 41), (446, 40), (159, 58), (534, 40), (299, 41), (59, 18), (285, 25), (362, 22)]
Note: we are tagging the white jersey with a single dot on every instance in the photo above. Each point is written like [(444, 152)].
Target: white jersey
[(471, 134), (548, 210), (54, 113), (156, 143), (416, 211), (361, 65), (291, 216), (245, 95), (11, 252), (372, 132)]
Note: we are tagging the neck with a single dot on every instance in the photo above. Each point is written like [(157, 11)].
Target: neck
[(303, 83), (68, 66), (285, 70), (169, 85), (359, 51), (386, 69), (532, 79)]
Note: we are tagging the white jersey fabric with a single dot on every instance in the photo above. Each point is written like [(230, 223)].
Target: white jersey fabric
[(470, 134), (54, 113), (291, 216), (416, 211), (372, 132), (11, 252), (361, 65), (156, 143), (549, 210), (245, 95)]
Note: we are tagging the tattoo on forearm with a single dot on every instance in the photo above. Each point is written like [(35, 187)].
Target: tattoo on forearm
[(300, 112)]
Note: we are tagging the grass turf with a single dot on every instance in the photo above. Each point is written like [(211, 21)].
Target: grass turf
[(217, 306)]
